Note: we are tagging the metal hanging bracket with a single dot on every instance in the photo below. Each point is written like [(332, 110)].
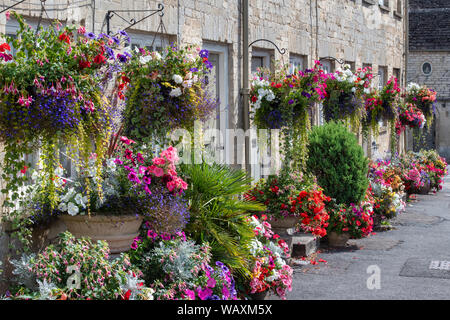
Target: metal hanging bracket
[(12, 6), (131, 22), (340, 61), (281, 51)]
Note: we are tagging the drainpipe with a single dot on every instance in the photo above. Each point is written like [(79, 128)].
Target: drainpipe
[(245, 85), (405, 138)]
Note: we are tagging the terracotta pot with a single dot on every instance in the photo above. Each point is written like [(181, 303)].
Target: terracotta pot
[(338, 240), (119, 231)]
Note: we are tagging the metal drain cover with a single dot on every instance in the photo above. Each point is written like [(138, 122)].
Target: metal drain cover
[(426, 268)]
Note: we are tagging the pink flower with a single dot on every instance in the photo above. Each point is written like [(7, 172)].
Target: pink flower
[(211, 283), (159, 161), (126, 140), (190, 294), (204, 294), (139, 158), (158, 172), (7, 14)]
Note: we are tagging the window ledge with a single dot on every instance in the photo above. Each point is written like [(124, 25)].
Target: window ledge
[(398, 14), (384, 8), (371, 2)]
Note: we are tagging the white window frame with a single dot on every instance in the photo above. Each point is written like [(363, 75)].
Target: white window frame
[(144, 40), (224, 145)]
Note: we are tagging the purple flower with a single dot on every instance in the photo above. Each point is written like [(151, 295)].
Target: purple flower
[(122, 58), (90, 35), (193, 70), (291, 101), (204, 53)]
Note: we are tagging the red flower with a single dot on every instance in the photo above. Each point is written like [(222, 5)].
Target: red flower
[(127, 295), (4, 47), (99, 59), (24, 169), (254, 99), (64, 37), (84, 64)]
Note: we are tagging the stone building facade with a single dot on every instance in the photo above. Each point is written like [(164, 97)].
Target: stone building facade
[(428, 63), (360, 32)]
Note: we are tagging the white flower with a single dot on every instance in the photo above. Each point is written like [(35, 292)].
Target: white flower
[(175, 92), (187, 83), (177, 78), (157, 55), (144, 60), (69, 195), (62, 207), (270, 96), (354, 89), (80, 200), (72, 209), (366, 90)]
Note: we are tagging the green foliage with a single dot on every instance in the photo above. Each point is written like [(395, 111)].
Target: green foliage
[(338, 162), (218, 213), (99, 277)]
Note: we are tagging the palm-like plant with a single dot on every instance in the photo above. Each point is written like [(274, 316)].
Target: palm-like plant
[(218, 212)]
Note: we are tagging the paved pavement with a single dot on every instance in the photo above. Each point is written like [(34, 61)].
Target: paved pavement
[(410, 259)]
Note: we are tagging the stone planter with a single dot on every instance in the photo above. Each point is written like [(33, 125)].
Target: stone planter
[(118, 231), (284, 226), (338, 240)]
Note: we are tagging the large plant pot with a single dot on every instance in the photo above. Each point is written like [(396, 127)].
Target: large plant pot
[(338, 240), (118, 231), (284, 225), (259, 295)]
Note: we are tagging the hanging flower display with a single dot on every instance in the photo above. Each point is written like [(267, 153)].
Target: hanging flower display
[(423, 98), (343, 99), (165, 91), (51, 94), (282, 101), (409, 116)]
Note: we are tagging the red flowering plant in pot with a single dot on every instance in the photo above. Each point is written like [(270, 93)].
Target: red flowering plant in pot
[(295, 199), (350, 221)]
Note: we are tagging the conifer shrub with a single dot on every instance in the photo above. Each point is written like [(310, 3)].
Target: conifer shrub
[(338, 162)]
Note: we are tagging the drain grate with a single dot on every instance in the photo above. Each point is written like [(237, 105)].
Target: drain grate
[(426, 268)]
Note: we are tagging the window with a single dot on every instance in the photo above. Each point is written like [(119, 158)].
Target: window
[(397, 73), (426, 68), (149, 41), (327, 65), (351, 64), (382, 76), (296, 63), (260, 59), (399, 7), (383, 3)]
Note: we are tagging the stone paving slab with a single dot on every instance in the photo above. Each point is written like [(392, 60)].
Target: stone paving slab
[(427, 268)]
